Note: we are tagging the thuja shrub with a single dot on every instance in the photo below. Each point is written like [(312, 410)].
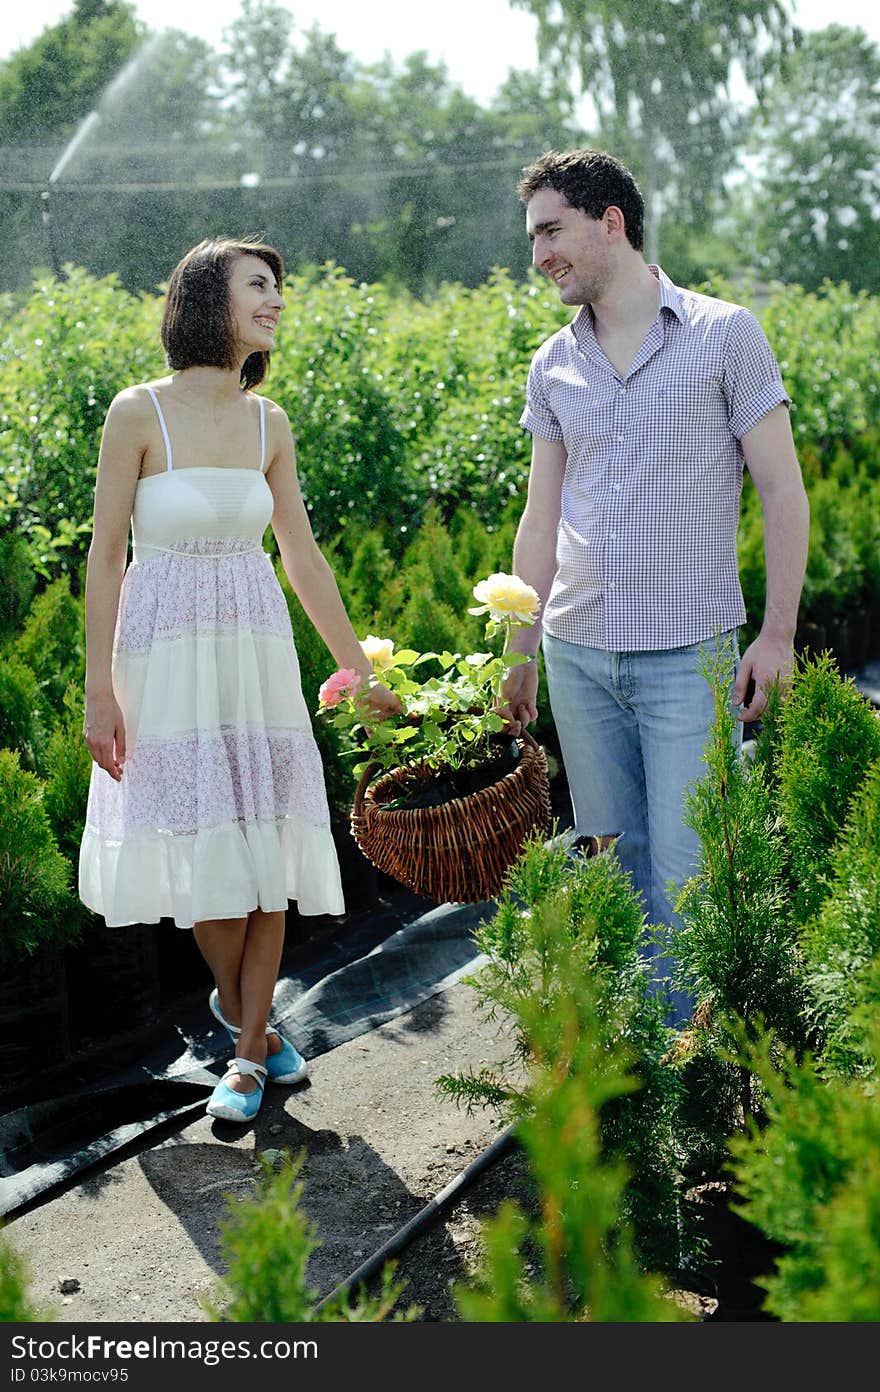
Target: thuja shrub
[(52, 641), (267, 1241), (842, 943), (16, 1304), (68, 767), (566, 935), (737, 939), (22, 713), (578, 1259), (18, 581), (810, 1178), (36, 903), (829, 736)]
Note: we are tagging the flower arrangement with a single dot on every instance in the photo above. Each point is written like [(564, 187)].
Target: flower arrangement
[(449, 717)]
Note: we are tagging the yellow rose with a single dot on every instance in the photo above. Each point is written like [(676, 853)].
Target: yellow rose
[(507, 597), (379, 651)]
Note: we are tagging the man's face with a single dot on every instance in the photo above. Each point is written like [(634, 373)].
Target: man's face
[(569, 247)]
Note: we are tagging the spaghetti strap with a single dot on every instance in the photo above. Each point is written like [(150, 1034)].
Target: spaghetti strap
[(165, 436), (262, 402)]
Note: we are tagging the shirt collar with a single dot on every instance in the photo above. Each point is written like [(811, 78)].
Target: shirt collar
[(670, 298)]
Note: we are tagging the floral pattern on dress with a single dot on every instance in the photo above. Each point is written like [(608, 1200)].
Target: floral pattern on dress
[(175, 592), (181, 786)]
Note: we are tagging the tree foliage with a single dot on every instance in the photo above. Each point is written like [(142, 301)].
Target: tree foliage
[(811, 213), (49, 86), (658, 74)]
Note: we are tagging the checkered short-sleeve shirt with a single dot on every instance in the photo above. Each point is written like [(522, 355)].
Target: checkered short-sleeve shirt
[(646, 547)]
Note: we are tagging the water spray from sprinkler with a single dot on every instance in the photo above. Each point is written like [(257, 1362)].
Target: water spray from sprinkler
[(83, 131)]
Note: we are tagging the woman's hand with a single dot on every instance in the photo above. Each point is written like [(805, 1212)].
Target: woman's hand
[(104, 733)]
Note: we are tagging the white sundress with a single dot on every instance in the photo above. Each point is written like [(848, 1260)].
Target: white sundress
[(221, 807)]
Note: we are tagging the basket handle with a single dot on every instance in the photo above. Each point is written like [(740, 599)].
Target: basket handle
[(360, 791), (369, 774)]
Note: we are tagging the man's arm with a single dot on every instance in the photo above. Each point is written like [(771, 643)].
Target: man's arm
[(534, 561), (772, 462)]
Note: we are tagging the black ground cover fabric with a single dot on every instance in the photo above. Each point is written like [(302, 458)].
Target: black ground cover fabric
[(392, 959)]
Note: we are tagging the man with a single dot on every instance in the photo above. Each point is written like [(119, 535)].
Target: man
[(643, 411)]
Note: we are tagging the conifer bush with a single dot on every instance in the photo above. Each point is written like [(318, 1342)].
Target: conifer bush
[(581, 1257), (810, 1179), (16, 1304), (842, 943), (737, 943), (17, 583), (267, 1241), (68, 768), (37, 908), (52, 641), (22, 713), (829, 737), (566, 934)]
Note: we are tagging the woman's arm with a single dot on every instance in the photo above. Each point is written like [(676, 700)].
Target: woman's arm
[(123, 442), (306, 568)]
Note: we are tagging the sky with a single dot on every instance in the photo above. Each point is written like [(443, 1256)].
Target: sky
[(479, 40)]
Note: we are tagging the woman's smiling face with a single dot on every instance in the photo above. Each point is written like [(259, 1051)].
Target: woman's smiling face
[(255, 304)]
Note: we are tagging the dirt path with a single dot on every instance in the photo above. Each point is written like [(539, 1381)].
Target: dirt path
[(141, 1236)]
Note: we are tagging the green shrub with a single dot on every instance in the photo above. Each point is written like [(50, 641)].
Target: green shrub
[(267, 1242), (68, 767), (17, 583), (52, 642), (737, 943), (352, 462), (577, 1260), (72, 345), (829, 737), (16, 1306), (810, 1179), (841, 945), (566, 935), (22, 715), (36, 906)]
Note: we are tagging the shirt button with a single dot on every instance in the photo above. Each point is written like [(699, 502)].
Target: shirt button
[(612, 584), (613, 536), (615, 487), (621, 391)]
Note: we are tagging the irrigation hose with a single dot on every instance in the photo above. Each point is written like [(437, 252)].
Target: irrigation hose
[(426, 1216)]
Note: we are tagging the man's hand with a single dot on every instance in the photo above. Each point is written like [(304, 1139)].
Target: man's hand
[(380, 701), (770, 662), (519, 693)]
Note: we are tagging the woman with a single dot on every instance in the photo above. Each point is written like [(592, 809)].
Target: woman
[(207, 801)]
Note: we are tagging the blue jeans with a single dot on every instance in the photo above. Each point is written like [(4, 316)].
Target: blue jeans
[(632, 728)]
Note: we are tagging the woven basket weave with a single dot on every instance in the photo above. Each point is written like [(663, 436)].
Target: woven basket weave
[(459, 852)]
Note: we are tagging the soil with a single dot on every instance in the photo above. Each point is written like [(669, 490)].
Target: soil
[(140, 1237)]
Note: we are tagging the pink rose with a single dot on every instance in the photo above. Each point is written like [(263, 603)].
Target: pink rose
[(345, 682)]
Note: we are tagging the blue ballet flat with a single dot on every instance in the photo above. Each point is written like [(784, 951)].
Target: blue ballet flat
[(287, 1066), (228, 1105)]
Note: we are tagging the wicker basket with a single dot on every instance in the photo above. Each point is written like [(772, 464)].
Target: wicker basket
[(459, 852)]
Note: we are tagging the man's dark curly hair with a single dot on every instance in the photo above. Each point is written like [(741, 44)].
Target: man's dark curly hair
[(592, 181)]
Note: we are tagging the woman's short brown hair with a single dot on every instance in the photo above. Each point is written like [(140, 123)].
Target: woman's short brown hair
[(197, 326)]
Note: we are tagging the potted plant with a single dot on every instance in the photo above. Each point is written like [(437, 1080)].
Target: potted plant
[(456, 798)]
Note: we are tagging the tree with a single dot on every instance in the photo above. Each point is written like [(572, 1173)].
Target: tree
[(47, 88), (658, 71), (812, 212)]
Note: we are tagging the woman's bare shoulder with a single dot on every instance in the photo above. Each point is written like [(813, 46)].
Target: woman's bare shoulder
[(134, 403)]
